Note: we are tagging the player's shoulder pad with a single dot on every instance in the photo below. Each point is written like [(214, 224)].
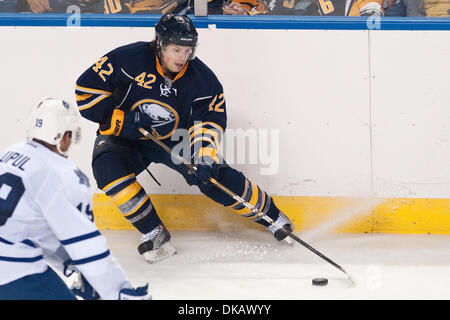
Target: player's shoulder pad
[(67, 171), (203, 73), (133, 51), (52, 168), (135, 46)]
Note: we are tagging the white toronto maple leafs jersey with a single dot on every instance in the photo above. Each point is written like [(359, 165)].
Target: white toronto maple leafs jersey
[(46, 216)]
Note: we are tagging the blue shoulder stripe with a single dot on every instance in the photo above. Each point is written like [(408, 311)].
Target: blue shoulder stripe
[(93, 258), (13, 259), (81, 238)]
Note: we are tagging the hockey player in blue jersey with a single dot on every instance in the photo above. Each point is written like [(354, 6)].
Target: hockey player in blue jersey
[(46, 218), (161, 86)]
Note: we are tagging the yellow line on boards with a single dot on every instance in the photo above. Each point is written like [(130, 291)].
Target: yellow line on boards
[(333, 214)]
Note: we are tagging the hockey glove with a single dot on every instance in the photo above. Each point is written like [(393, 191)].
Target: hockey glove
[(81, 287), (206, 171), (208, 162), (125, 124), (140, 293)]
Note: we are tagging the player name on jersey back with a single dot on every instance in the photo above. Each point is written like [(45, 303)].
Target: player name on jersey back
[(15, 159)]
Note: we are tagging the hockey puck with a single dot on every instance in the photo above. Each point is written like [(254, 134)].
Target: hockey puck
[(320, 282)]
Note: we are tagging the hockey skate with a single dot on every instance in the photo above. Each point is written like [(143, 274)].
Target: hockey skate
[(156, 245), (284, 222)]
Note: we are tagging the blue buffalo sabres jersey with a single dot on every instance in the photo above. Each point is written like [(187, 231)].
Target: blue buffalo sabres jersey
[(131, 78), (46, 216)]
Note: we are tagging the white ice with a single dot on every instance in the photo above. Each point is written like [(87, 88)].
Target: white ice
[(251, 265)]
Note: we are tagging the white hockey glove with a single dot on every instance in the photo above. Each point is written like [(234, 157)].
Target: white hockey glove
[(140, 293)]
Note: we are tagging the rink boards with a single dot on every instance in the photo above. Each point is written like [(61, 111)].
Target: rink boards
[(325, 214), (348, 129)]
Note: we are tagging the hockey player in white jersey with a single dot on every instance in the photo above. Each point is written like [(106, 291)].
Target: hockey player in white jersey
[(46, 217)]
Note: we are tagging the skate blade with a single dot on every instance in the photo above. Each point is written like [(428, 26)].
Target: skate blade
[(166, 250)]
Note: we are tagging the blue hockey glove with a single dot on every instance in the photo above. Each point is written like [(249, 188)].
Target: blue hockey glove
[(206, 171), (208, 162), (81, 287), (125, 124), (140, 293)]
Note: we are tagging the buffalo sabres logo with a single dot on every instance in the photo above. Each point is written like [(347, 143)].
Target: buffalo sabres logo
[(164, 117)]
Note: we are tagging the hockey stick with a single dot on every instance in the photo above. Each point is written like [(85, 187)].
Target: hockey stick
[(146, 134)]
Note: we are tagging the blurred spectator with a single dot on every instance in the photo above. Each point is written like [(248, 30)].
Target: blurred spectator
[(301, 7), (414, 8), (142, 6), (60, 6), (187, 7), (174, 6), (388, 8), (39, 6), (86, 6), (8, 6), (437, 8), (327, 7), (292, 7), (245, 7), (396, 9)]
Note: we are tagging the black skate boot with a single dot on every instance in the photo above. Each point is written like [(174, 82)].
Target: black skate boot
[(156, 245)]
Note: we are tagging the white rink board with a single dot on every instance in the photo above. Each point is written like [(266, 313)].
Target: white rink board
[(321, 90), (411, 113)]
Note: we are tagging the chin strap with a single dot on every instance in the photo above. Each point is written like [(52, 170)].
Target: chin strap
[(62, 153), (50, 147)]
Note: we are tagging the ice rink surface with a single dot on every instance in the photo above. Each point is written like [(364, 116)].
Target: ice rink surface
[(251, 265)]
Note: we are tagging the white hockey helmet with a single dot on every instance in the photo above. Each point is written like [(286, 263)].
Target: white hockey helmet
[(50, 119)]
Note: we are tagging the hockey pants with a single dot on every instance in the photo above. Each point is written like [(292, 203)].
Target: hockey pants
[(116, 163)]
